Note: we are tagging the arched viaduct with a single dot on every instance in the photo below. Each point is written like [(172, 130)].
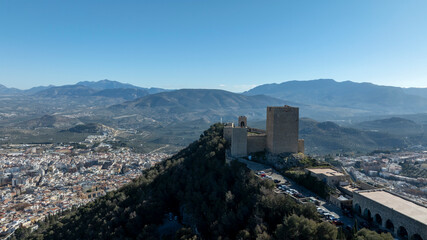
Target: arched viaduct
[(404, 218)]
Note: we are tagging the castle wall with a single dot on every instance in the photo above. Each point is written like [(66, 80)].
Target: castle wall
[(227, 133), (282, 129), (239, 141), (256, 143)]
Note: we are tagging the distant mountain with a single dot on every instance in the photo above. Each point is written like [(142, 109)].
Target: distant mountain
[(154, 90), (421, 92), (103, 88), (366, 98), (125, 93), (205, 99), (6, 91), (37, 89), (192, 104), (67, 91), (106, 84), (15, 91)]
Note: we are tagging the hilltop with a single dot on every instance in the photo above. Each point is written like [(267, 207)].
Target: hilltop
[(210, 199)]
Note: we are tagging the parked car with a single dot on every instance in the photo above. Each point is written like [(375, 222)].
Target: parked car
[(326, 214)]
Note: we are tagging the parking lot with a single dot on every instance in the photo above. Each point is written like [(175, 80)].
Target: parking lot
[(328, 211)]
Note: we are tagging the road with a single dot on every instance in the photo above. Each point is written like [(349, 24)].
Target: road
[(334, 210), (160, 148)]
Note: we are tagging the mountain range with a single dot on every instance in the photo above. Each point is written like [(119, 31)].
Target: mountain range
[(362, 114), (359, 98), (191, 104), (83, 88), (322, 99)]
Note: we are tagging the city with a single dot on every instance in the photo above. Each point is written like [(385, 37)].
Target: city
[(390, 170), (45, 179)]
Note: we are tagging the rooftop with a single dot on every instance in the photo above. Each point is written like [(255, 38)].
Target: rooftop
[(351, 188), (398, 204), (325, 171)]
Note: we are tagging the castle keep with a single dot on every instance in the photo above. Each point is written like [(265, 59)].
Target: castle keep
[(280, 136)]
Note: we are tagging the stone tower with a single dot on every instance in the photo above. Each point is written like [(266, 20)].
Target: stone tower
[(282, 129), (243, 121)]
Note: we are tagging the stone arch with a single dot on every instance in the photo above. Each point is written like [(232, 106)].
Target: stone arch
[(402, 233), (389, 225), (367, 214), (358, 209), (378, 219), (416, 237), (242, 124)]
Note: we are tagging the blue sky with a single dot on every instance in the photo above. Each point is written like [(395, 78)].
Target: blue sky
[(233, 45)]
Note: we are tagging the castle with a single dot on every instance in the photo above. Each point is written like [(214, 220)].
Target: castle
[(280, 136)]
